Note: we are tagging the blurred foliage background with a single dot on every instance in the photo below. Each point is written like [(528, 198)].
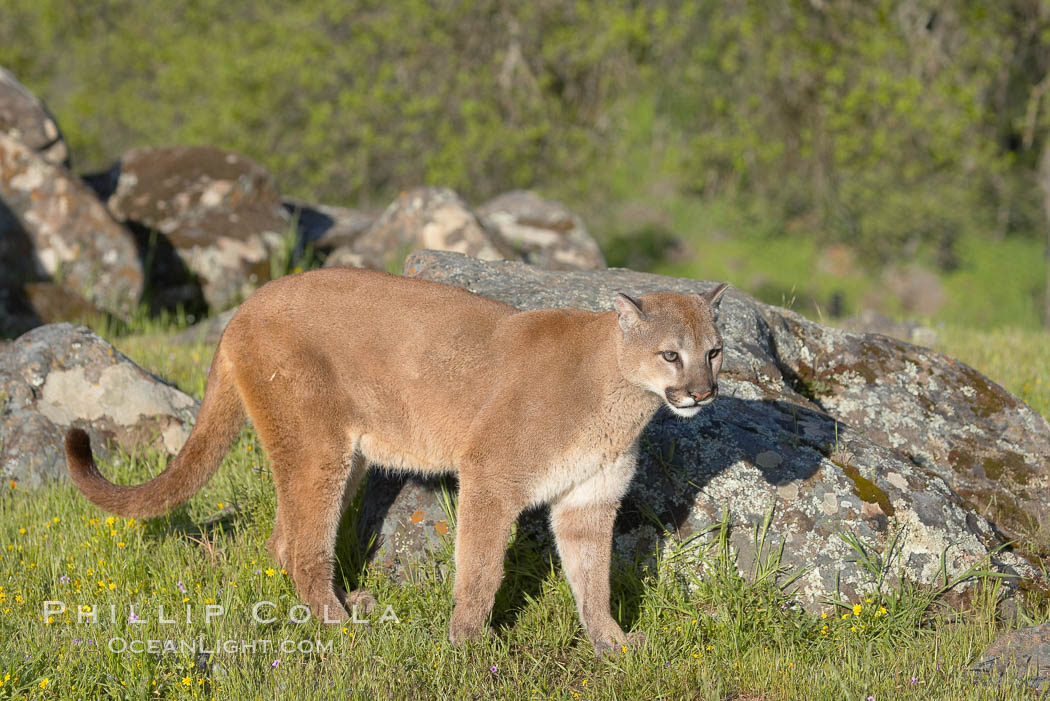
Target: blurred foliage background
[(833, 154)]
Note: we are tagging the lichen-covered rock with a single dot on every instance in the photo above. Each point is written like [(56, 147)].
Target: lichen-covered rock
[(1024, 653), (543, 231), (944, 416), (218, 211), (52, 227), (24, 117), (59, 376), (424, 217), (406, 516), (830, 450)]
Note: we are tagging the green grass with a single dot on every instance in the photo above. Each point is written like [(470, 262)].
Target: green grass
[(1018, 359), (713, 635)]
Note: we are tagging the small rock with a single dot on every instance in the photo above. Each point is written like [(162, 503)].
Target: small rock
[(60, 376), (345, 257), (544, 232), (1024, 653), (425, 217)]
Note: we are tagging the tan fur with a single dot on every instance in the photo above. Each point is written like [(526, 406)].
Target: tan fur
[(339, 368)]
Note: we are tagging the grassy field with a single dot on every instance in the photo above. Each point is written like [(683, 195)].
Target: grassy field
[(991, 284), (719, 636)]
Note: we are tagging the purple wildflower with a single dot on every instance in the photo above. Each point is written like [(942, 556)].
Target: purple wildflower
[(181, 587), (493, 669), (64, 579), (275, 664)]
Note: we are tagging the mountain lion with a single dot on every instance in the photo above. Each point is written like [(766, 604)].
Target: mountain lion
[(338, 368)]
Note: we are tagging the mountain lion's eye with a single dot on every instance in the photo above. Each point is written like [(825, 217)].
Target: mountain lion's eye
[(714, 353), (669, 356)]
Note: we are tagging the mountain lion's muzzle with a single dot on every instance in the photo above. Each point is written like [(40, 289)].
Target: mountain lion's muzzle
[(684, 399)]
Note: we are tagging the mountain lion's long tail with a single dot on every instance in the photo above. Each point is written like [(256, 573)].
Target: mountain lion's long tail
[(218, 425)]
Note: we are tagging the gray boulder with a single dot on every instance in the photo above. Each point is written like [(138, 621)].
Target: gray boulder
[(835, 432), (544, 232), (25, 118), (52, 227), (60, 376), (209, 219)]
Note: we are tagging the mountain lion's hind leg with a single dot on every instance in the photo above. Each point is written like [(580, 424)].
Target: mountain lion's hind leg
[(310, 487)]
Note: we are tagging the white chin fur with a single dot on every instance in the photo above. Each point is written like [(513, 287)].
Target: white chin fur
[(687, 412)]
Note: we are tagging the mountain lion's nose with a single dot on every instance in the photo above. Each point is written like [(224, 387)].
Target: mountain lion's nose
[(697, 397)]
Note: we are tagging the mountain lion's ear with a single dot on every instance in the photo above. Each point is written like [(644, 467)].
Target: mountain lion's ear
[(715, 296), (628, 310)]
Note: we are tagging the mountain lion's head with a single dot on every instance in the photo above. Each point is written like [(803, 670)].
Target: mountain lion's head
[(670, 346)]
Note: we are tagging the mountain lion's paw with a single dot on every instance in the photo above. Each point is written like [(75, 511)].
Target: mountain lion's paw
[(363, 600), (466, 632), (610, 648), (329, 611)]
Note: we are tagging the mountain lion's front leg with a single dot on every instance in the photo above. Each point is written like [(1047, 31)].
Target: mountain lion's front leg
[(582, 521), (482, 527)]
